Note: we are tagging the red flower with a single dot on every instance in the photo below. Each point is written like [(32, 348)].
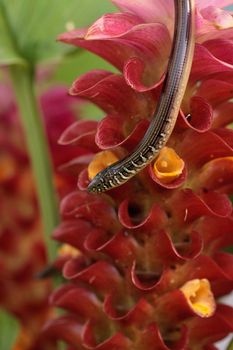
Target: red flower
[(22, 250), (148, 268)]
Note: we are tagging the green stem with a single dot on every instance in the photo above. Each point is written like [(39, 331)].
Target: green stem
[(23, 83), (230, 345)]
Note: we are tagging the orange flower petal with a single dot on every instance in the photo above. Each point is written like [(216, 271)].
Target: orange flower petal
[(23, 341), (168, 166), (215, 161), (101, 161), (67, 249), (199, 297), (7, 167)]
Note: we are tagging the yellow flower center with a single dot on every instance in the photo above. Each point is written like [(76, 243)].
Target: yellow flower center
[(67, 249), (168, 166), (101, 161), (199, 297)]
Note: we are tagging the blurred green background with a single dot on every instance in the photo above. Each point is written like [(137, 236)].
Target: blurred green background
[(87, 12), (28, 30)]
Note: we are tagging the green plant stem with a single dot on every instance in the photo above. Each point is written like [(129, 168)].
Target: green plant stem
[(230, 345), (23, 83)]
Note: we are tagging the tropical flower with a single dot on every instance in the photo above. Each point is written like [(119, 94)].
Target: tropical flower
[(146, 265), (22, 250)]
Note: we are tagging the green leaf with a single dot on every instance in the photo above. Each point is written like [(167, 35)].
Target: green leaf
[(8, 51), (9, 328), (32, 27)]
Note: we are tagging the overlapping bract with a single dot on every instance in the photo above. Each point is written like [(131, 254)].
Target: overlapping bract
[(142, 246)]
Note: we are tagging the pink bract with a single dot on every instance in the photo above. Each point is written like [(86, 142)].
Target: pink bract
[(140, 244)]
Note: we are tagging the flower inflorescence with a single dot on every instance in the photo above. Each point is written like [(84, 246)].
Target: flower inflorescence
[(151, 264)]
